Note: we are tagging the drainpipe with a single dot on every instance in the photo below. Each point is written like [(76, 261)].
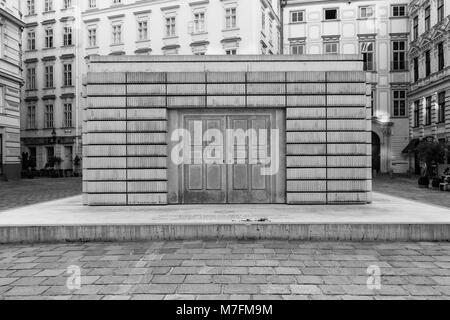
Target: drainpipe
[(282, 4)]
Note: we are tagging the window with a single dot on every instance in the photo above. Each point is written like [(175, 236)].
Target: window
[(92, 37), (67, 36), (170, 27), (48, 5), (373, 100), (297, 16), (416, 27), (48, 116), (142, 30), (366, 12), (230, 52), (31, 6), (31, 39), (67, 4), (440, 10), (67, 115), (399, 11), (117, 1), (428, 111), (427, 63), (416, 113), (92, 4), (48, 77), (230, 18), (399, 103), (117, 34), (427, 19), (399, 55), (441, 107), (67, 74), (416, 69), (441, 62), (199, 22), (31, 78), (31, 117), (330, 14), (331, 47), (297, 48), (367, 50), (49, 38)]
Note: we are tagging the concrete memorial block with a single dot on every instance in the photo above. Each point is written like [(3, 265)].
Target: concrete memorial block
[(321, 122)]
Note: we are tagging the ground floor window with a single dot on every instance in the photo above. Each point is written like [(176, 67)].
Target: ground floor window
[(50, 153), (441, 107), (428, 112)]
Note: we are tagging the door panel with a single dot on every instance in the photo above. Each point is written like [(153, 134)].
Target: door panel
[(246, 184), (205, 176)]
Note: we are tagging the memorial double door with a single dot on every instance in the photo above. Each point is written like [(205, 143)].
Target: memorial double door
[(226, 158)]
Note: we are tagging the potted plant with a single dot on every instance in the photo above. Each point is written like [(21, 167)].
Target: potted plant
[(424, 182), (435, 182)]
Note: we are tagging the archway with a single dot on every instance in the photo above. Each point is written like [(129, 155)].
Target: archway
[(376, 152)]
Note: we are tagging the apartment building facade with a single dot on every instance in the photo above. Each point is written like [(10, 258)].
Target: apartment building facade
[(379, 30), (51, 117), (429, 96), (59, 35), (10, 85)]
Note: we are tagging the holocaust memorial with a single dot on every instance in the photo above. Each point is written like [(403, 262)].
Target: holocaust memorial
[(161, 130)]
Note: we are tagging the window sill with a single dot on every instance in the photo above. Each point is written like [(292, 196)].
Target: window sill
[(334, 20), (299, 22), (67, 87), (231, 29), (399, 17), (52, 48), (170, 38), (397, 71)]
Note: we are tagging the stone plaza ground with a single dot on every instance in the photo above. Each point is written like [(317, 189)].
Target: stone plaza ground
[(226, 270), (221, 269)]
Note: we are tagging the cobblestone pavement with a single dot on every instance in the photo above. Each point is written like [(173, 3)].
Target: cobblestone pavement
[(408, 188), (25, 192), (226, 270)]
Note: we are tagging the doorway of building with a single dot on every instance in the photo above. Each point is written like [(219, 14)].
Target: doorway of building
[(376, 152), (221, 171)]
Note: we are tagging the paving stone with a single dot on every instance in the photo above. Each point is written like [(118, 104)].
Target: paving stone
[(225, 279), (199, 279), (154, 289), (253, 279), (240, 297), (28, 281), (147, 297), (275, 289), (417, 290), (309, 279), (115, 289), (241, 289), (305, 289), (199, 288), (26, 291), (168, 279), (6, 281)]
